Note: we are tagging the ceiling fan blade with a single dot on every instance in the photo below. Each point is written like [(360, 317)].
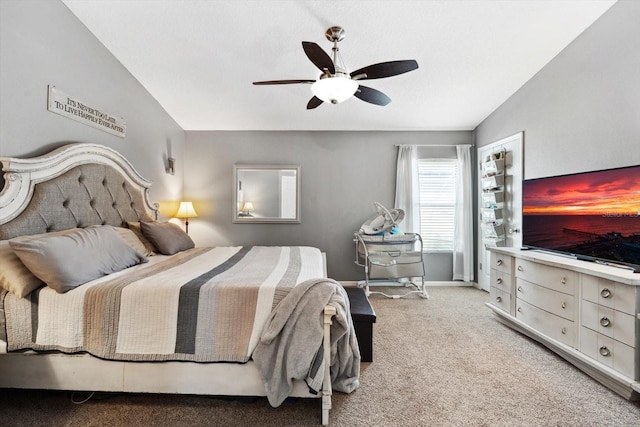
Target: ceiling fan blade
[(319, 57), (313, 103), (384, 69), (372, 96), (283, 82)]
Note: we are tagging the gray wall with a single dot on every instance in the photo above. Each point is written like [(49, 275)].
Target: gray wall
[(42, 43), (582, 110), (342, 174)]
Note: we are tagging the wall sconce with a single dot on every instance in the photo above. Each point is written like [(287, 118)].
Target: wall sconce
[(186, 211), (171, 166), (247, 207)]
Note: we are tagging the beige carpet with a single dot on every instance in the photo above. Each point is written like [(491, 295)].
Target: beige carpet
[(438, 362)]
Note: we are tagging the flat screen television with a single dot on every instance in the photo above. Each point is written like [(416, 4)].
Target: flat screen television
[(594, 216)]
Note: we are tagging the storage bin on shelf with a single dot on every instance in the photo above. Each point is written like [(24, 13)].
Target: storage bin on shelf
[(492, 233), (492, 167), (493, 182), (494, 199), (491, 215), (493, 243)]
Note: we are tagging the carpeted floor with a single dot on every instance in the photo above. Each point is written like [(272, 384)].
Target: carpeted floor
[(438, 362)]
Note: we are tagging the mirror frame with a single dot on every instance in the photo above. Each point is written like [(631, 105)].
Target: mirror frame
[(236, 218)]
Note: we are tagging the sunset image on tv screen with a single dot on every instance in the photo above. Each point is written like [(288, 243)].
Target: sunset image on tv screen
[(611, 192), (595, 215)]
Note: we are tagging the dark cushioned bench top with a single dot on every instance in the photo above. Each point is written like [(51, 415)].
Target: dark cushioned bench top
[(361, 310)]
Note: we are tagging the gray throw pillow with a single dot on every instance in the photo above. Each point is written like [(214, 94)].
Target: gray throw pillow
[(15, 277), (168, 238), (150, 250), (132, 239), (66, 261)]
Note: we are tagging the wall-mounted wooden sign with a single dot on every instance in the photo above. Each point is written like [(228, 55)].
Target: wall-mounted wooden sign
[(65, 105)]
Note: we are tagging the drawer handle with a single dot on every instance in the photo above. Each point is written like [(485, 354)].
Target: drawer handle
[(605, 322), (604, 351), (520, 289), (499, 280), (563, 281), (564, 304), (520, 268), (605, 293), (499, 299), (564, 331), (520, 309)]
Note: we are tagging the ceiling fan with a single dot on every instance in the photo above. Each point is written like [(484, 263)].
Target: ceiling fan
[(335, 84)]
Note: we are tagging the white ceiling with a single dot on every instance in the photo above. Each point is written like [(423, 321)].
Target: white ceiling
[(199, 58)]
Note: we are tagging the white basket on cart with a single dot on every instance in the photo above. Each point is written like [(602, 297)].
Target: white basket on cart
[(391, 257)]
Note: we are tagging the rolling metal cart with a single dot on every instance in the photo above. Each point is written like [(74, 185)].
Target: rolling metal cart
[(391, 257)]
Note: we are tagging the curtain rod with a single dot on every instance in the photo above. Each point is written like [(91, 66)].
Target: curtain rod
[(434, 145)]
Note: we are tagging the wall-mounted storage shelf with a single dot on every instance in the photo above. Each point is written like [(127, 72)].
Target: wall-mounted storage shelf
[(493, 197)]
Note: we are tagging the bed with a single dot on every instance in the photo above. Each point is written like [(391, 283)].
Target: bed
[(128, 304)]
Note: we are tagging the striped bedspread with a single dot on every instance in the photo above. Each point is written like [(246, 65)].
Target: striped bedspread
[(204, 305)]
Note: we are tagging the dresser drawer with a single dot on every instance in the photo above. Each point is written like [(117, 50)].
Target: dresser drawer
[(610, 294), (501, 280), (500, 299), (556, 327), (550, 277), (607, 321), (608, 351), (501, 262), (555, 302)]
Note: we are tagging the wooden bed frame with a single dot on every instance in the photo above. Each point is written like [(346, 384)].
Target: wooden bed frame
[(83, 372)]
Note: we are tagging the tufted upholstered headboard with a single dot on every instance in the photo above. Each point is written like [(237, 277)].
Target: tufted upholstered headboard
[(76, 185)]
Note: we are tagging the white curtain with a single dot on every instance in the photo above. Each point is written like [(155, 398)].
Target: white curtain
[(463, 229), (407, 188)]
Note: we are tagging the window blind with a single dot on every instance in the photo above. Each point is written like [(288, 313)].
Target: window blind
[(437, 183)]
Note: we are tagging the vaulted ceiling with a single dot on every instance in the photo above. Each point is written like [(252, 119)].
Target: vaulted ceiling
[(198, 59)]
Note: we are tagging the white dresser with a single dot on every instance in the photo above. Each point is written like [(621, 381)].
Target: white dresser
[(585, 312)]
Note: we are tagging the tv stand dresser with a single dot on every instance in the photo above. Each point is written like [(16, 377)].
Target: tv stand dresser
[(587, 313)]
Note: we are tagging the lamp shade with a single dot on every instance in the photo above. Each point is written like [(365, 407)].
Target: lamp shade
[(247, 207), (334, 89), (186, 210)]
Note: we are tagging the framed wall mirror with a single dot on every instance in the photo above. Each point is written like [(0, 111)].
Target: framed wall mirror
[(266, 194)]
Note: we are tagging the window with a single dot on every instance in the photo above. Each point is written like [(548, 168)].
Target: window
[(437, 182)]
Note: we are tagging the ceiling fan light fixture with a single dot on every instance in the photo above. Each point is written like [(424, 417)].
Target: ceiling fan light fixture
[(335, 84), (334, 89)]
